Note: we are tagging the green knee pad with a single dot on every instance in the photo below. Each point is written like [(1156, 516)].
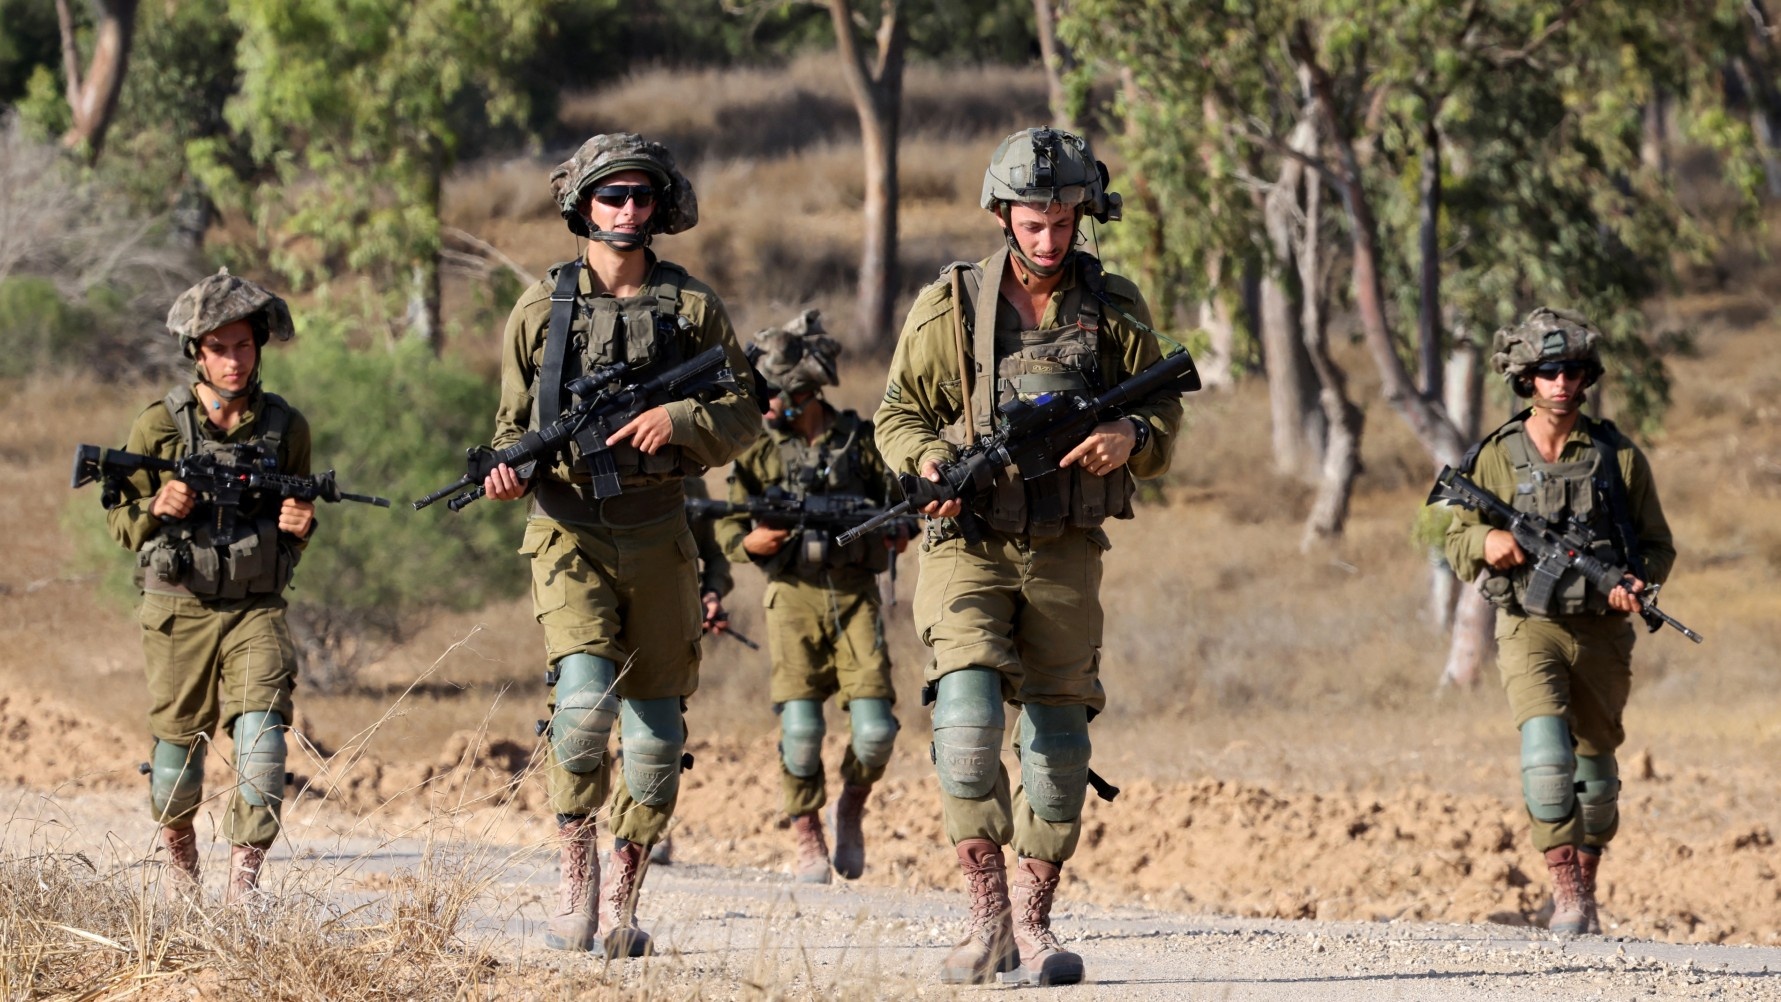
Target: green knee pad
[(874, 731), (655, 738), (801, 729), (1598, 793), (1054, 751), (968, 729), (260, 757), (1548, 769), (581, 728), (176, 780)]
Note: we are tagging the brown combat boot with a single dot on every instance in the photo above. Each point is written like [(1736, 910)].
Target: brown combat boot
[(182, 857), (988, 947), (1588, 863), (850, 842), (618, 900), (812, 866), (1568, 918), (245, 862), (1043, 960), (575, 926)]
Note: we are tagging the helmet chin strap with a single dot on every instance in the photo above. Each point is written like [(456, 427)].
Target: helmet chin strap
[(618, 240), (253, 383)]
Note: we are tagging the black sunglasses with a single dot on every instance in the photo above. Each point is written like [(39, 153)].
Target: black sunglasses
[(615, 195), (1552, 370)]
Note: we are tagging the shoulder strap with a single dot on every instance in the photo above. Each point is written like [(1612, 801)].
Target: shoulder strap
[(983, 343), (556, 342), (1470, 459), (1602, 434), (275, 422), (1094, 291), (184, 409), (670, 279)]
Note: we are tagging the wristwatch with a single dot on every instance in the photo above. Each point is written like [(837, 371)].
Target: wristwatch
[(1142, 430)]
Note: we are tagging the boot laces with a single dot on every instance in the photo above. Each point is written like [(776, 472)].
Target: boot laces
[(1035, 912)]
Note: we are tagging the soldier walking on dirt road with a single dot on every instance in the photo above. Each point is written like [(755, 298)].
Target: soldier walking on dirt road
[(1564, 648), (824, 619), (614, 581), (1017, 617), (214, 635)]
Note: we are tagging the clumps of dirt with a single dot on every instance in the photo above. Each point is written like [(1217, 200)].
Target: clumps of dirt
[(48, 745)]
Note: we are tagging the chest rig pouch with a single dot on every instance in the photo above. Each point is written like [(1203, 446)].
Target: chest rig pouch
[(645, 330), (831, 465), (1577, 493), (1028, 364), (194, 556)]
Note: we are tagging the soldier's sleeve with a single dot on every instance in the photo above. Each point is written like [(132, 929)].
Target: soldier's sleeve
[(921, 392), (1657, 548), (715, 432), (152, 434), (1140, 351), (1466, 532), (296, 448), (513, 415), (714, 566), (744, 482)]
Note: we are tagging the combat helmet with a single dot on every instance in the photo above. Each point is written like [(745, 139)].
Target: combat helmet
[(1547, 335), (677, 208), (1046, 165), (223, 299), (798, 356)]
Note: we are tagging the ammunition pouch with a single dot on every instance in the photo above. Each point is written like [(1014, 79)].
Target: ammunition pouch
[(182, 560)]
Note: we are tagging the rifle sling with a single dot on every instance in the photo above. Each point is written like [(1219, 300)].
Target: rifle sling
[(556, 342), (1620, 509)]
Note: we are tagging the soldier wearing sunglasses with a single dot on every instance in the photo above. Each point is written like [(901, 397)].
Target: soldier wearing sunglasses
[(615, 581), (1565, 653)]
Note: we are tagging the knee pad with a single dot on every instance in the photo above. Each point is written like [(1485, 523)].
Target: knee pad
[(1054, 751), (175, 780), (1598, 793), (655, 737), (259, 758), (874, 731), (801, 729), (586, 709), (1548, 769), (968, 729)]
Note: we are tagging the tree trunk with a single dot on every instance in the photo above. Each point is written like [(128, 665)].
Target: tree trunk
[(1474, 630), (1057, 60), (1221, 332), (1471, 641), (1654, 141), (1341, 452), (193, 212), (93, 95), (1298, 422), (877, 90), (423, 288), (1428, 327)]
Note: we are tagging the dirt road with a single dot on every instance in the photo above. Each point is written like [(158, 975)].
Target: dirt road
[(752, 933)]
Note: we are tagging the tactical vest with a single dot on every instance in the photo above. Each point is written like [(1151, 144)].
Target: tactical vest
[(189, 557), (646, 330), (1588, 492), (831, 465), (1027, 364)]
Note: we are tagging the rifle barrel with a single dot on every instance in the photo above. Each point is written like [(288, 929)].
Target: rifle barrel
[(875, 522)]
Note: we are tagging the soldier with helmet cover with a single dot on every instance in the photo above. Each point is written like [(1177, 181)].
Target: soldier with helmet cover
[(614, 580), (217, 647), (1565, 653), (1017, 618), (824, 618)]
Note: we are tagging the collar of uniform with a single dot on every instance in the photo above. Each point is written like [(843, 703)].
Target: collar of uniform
[(1068, 280), (256, 406), (584, 283)]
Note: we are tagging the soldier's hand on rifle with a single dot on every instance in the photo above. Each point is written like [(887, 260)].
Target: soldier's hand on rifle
[(502, 484), (763, 541), (1501, 551), (716, 619), (1623, 598), (174, 500), (1105, 449), (648, 431), (296, 517), (939, 509)]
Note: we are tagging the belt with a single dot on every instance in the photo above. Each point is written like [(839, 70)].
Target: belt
[(576, 503)]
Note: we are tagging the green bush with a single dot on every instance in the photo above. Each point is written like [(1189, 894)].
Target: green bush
[(394, 421), (39, 329)]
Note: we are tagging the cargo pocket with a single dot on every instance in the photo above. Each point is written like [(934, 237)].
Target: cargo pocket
[(550, 568), (156, 614), (689, 553)]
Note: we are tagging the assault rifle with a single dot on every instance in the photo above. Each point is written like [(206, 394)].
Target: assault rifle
[(779, 508), (1032, 438), (605, 403), (1554, 549), (226, 485)]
